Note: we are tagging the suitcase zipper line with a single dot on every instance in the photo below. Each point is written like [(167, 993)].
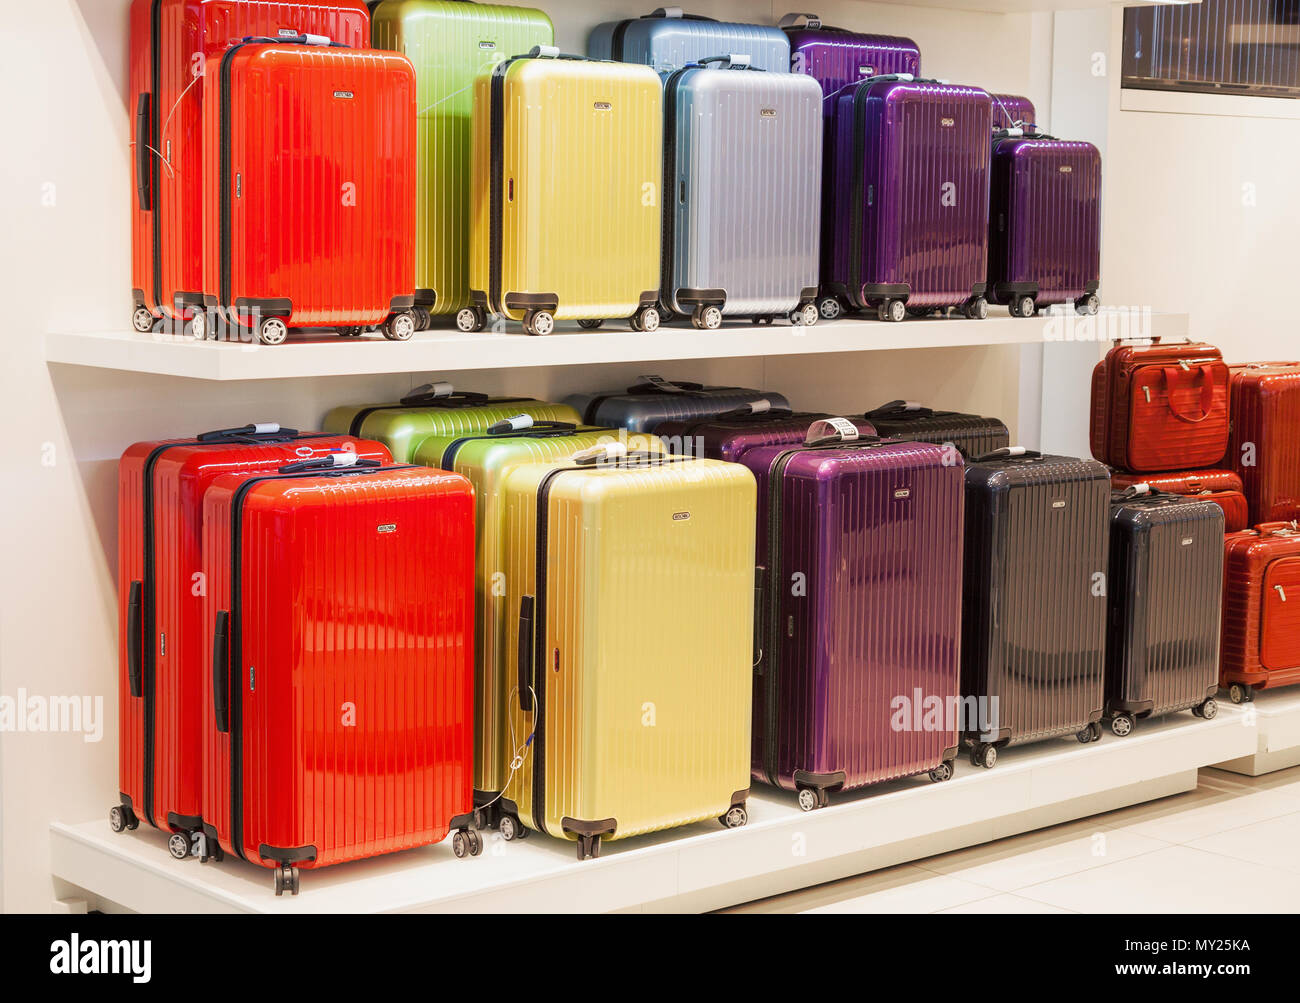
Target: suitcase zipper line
[(360, 417), (496, 169), (668, 234), (155, 174)]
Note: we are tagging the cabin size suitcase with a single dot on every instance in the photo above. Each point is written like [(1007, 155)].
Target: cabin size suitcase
[(1222, 487), (911, 198), (338, 715), (175, 48), (567, 169), (667, 39), (729, 435), (742, 162), (1261, 614), (309, 194), (1160, 407), (630, 582), (859, 608), (485, 458), (450, 43), (1264, 438), (436, 409), (1044, 223), (642, 406), (1034, 628), (972, 434), (161, 583), (1014, 111), (1166, 591)]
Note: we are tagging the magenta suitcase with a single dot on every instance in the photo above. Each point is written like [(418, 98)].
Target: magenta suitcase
[(1011, 111), (910, 184), (729, 436), (858, 606)]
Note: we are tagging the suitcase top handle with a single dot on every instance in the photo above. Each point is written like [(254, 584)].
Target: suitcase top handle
[(825, 430), (323, 41), (262, 431), (334, 461), (618, 456), (1173, 374), (757, 408), (443, 395), (553, 52), (735, 61), (809, 21), (605, 452), (675, 14), (1018, 132), (520, 422), (901, 409), (1291, 528), (1007, 452)]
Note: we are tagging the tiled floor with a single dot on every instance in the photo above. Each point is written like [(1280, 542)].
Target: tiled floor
[(1231, 845)]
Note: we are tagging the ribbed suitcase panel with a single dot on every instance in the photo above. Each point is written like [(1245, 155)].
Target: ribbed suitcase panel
[(1248, 558), (670, 43), (644, 412), (970, 433), (835, 58), (1010, 110), (130, 568), (1265, 409), (403, 429), (139, 82), (729, 439)]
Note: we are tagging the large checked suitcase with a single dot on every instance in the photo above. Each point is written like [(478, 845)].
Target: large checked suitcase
[(338, 715), (642, 406), (1166, 587), (1160, 407), (1034, 628), (630, 581), (972, 434), (484, 459), (175, 49), (728, 436), (668, 39), (911, 198), (859, 612), (567, 166), (161, 584), (1044, 223), (743, 172), (1222, 487), (309, 191), (1261, 610), (1014, 111), (436, 409), (450, 43), (1264, 438)]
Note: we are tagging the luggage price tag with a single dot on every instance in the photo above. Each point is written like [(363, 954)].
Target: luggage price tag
[(824, 428), (515, 424)]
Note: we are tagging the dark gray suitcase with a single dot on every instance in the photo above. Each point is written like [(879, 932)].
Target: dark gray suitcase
[(641, 407)]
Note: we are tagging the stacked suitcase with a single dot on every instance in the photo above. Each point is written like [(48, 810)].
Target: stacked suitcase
[(668, 38), (971, 434), (642, 406)]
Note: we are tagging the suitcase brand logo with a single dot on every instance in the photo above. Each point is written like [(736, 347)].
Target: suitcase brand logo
[(602, 105), (681, 516), (1060, 503), (75, 956), (1067, 169), (388, 527), (767, 113), (487, 45), (1187, 541), (345, 95), (903, 493), (288, 33), (947, 123), (867, 71)]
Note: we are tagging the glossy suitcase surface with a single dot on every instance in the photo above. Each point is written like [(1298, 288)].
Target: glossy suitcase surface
[(1044, 223), (836, 56), (637, 643), (874, 529), (1165, 592), (741, 161), (911, 187), (450, 43), (568, 158), (1222, 487), (973, 434), (1034, 629), (173, 45), (310, 196), (1261, 617), (160, 578), (484, 459), (641, 407), (339, 709), (1014, 110), (1266, 413), (436, 409), (668, 39), (1160, 407), (728, 436)]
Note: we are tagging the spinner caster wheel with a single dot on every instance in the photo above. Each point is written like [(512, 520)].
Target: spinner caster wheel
[(142, 320), (809, 799), (590, 323), (510, 828), (400, 327), (178, 845), (1240, 693), (460, 844), (120, 818), (942, 772), (197, 326), (892, 311), (1207, 709), (647, 319), (272, 331), (977, 308), (1088, 305), (735, 817), (984, 755), (1092, 733), (706, 318), (539, 322), (423, 318), (588, 847), (1122, 724), (286, 879), (1022, 306), (470, 318), (829, 307)]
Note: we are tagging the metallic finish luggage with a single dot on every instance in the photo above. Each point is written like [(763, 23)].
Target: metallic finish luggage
[(339, 706), (1034, 629), (743, 165), (1264, 438), (174, 44), (859, 611), (972, 434), (450, 43), (436, 409), (1044, 223), (484, 458), (1222, 487), (641, 407), (566, 177), (836, 56), (911, 198), (1014, 111), (309, 207), (161, 579), (668, 39), (728, 436), (1166, 590), (631, 589), (1261, 617)]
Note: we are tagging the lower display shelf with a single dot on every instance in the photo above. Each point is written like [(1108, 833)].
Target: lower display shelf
[(695, 868), (1276, 720)]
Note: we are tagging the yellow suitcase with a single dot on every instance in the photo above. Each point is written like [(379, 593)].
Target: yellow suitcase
[(565, 193), (485, 458), (631, 584)]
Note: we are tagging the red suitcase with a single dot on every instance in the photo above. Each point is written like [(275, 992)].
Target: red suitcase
[(309, 199), (1160, 407), (339, 713), (161, 584), (1261, 610), (173, 45), (1264, 446), (1222, 487)]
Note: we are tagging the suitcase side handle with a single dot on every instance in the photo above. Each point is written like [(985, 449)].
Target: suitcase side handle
[(320, 41), (143, 176), (900, 409), (134, 636), (760, 580), (221, 670), (527, 646), (1202, 372)]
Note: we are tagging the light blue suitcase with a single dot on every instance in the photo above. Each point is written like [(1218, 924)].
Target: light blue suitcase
[(668, 39)]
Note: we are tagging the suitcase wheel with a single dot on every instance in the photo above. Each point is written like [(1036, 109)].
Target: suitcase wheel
[(976, 308), (588, 847), (351, 332), (511, 828), (1240, 693), (707, 318), (892, 311), (400, 327), (539, 322), (811, 798), (984, 755), (1092, 733), (1122, 724), (423, 318), (760, 320), (470, 319), (829, 307), (272, 331), (646, 319), (735, 817), (285, 879), (1207, 709), (805, 316), (466, 843), (1022, 306), (121, 818), (142, 320), (590, 323), (1088, 305), (178, 845), (942, 772)]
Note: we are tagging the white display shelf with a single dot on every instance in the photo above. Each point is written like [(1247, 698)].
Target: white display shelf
[(1276, 722), (695, 868), (448, 351), (1031, 6)]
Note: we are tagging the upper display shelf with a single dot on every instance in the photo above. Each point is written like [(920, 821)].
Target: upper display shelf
[(1030, 6)]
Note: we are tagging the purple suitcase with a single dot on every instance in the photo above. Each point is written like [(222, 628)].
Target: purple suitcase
[(731, 435), (858, 608), (1012, 111), (1044, 223), (911, 198)]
